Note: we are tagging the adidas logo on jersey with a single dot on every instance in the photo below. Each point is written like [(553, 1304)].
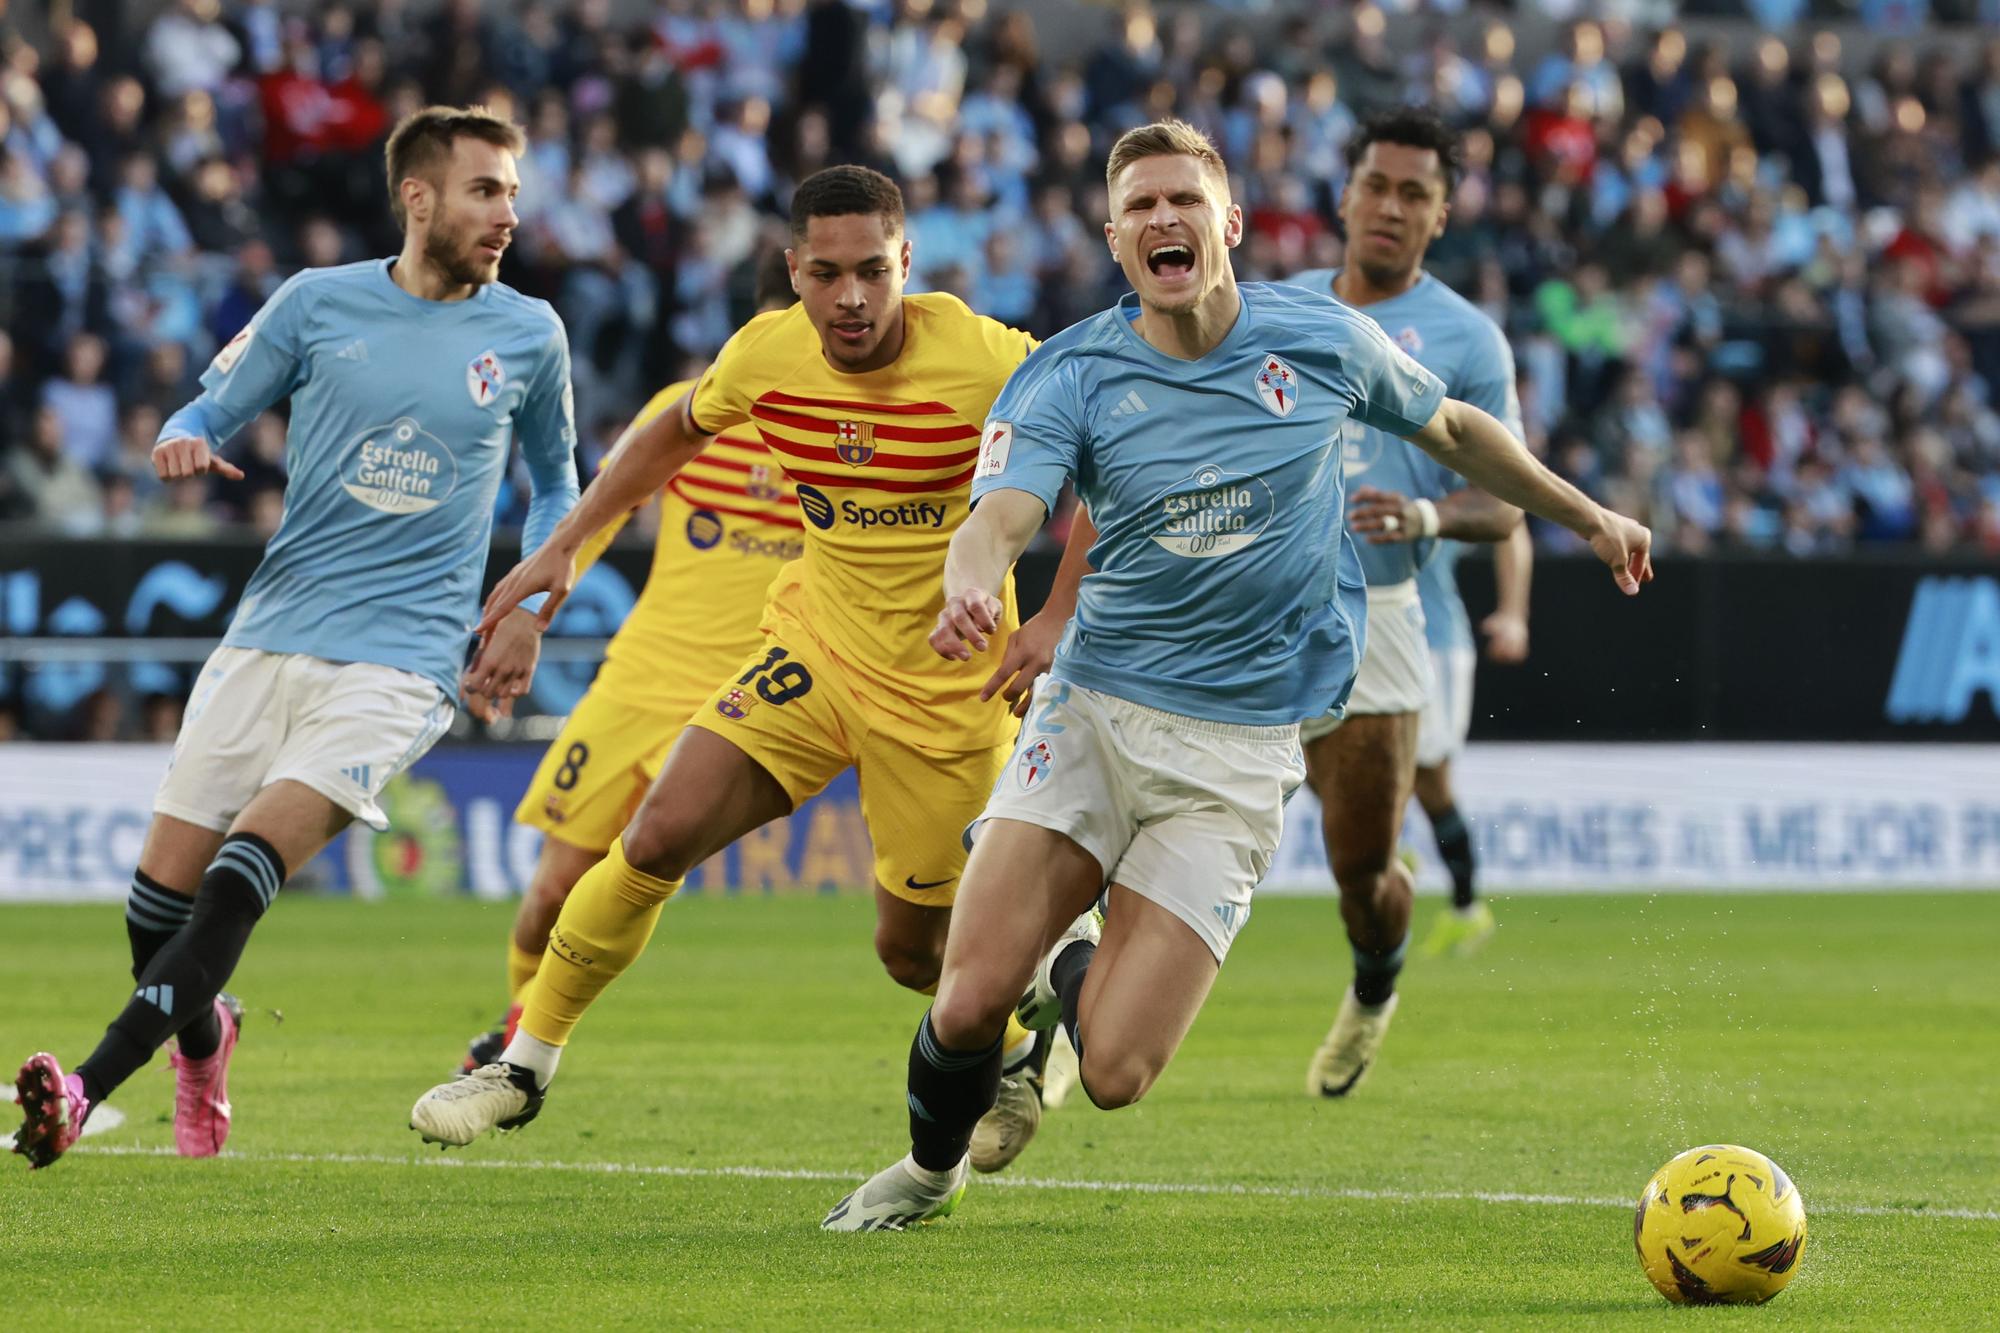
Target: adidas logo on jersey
[(358, 775), (354, 351), (1130, 405)]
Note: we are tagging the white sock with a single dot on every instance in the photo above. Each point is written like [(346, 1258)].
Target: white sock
[(935, 1182), (526, 1052), (1017, 1055)]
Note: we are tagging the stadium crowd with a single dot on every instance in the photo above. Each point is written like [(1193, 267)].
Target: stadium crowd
[(1753, 285)]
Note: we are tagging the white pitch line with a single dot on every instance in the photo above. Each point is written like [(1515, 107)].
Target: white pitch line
[(106, 1118), (1183, 1188)]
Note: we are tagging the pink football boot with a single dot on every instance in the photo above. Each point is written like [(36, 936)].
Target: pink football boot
[(53, 1109), (201, 1089)]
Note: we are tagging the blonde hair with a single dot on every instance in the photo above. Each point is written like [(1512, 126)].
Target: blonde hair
[(422, 140), (1163, 138)]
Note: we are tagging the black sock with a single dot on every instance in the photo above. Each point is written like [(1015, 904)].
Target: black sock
[(181, 982), (1454, 842), (154, 914), (949, 1091), (1375, 973), (1067, 974)]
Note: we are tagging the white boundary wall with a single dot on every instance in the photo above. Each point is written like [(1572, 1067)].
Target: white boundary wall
[(1573, 818), (1767, 816)]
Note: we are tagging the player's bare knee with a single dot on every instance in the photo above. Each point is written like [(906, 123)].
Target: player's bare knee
[(660, 844), (548, 891), (1115, 1081), (1361, 875), (965, 1019), (911, 964)]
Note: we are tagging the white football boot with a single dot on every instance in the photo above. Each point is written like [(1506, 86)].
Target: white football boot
[(492, 1097), (1060, 1074), (1041, 1008), (897, 1198), (1004, 1131), (1348, 1052)]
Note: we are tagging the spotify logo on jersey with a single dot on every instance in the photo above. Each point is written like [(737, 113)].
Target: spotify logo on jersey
[(816, 507), (704, 529)]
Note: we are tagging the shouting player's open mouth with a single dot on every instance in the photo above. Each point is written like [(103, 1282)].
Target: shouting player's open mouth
[(1172, 263), (852, 331)]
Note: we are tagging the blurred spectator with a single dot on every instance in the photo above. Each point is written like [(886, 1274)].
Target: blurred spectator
[(85, 408), (44, 484), (160, 718), (182, 512), (1785, 252), (190, 49)]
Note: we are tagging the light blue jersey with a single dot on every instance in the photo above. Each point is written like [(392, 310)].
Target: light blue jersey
[(1446, 626), (1224, 586), (403, 413), (1456, 341)]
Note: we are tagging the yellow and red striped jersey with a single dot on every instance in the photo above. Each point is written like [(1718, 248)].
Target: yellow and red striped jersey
[(728, 524), (882, 462)]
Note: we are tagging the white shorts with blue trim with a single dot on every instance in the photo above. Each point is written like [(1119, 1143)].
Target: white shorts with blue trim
[(255, 718), (1184, 812), (1395, 672), (1447, 715)]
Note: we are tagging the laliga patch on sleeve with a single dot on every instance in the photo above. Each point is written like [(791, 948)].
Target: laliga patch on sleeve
[(232, 351), (993, 448)]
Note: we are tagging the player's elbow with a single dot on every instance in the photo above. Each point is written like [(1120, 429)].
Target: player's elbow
[(1445, 437)]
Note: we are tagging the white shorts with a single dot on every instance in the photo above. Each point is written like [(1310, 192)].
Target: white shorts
[(1395, 671), (255, 718), (1183, 812), (1447, 716)]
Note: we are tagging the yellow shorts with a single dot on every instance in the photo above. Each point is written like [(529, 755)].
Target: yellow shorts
[(597, 770), (793, 711)]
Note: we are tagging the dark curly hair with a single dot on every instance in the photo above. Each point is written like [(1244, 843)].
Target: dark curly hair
[(1412, 127), (843, 191)]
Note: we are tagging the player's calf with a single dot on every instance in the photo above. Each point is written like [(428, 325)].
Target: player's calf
[(184, 978)]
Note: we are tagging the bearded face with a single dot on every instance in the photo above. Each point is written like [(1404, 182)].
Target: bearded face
[(472, 220)]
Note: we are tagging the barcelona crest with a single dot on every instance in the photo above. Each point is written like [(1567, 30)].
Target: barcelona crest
[(854, 441), (735, 703)]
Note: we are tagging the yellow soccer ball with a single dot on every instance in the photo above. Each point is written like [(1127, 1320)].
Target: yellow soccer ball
[(1720, 1225)]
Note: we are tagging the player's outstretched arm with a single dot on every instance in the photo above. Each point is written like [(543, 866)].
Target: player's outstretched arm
[(645, 458), (983, 549), (1506, 629), (257, 367), (1477, 447), (1032, 648), (189, 456), (1467, 515)]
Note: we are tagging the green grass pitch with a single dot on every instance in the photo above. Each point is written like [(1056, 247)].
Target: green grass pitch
[(726, 1090)]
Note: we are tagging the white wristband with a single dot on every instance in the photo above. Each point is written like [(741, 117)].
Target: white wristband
[(1427, 518)]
